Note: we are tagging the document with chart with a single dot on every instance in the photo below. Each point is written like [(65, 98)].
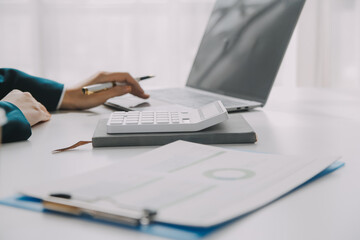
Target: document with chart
[(190, 184)]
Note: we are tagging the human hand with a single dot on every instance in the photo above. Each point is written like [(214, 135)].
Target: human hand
[(75, 99), (33, 111)]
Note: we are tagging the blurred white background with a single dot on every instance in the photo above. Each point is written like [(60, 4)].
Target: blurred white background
[(69, 40)]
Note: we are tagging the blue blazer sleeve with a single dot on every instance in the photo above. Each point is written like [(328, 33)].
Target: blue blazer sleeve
[(45, 91), (17, 127)]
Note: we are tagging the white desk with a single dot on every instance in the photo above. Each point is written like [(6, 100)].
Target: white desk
[(294, 121)]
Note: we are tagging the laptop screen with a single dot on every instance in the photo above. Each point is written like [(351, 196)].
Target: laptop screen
[(243, 46)]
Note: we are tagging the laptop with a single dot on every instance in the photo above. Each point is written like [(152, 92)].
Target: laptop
[(237, 60)]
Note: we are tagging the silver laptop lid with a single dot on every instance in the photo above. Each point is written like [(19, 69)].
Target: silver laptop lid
[(243, 46)]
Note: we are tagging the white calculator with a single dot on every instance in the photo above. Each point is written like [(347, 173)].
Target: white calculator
[(167, 121)]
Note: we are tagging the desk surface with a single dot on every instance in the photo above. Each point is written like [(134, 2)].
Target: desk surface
[(294, 121)]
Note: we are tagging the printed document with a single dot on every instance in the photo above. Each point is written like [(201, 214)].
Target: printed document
[(190, 184)]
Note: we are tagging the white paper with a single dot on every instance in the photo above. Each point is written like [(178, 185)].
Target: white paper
[(191, 184)]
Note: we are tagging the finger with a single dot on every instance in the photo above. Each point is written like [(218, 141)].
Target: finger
[(36, 116), (111, 77), (101, 97), (43, 108), (118, 91), (98, 78), (122, 77), (46, 113), (46, 117), (140, 94), (42, 113), (43, 118)]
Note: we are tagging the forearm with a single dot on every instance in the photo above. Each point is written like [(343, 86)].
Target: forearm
[(75, 99)]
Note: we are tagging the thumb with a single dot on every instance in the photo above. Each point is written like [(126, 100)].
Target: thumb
[(45, 114)]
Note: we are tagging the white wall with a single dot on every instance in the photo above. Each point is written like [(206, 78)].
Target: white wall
[(329, 44), (69, 40)]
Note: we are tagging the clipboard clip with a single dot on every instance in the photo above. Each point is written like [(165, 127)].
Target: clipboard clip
[(132, 217)]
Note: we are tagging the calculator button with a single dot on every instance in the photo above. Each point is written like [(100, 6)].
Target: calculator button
[(131, 120), (162, 122), (131, 123), (117, 119), (116, 123), (159, 121)]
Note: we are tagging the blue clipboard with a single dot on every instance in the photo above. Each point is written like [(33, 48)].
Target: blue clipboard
[(171, 231)]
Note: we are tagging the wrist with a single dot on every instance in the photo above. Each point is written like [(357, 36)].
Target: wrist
[(69, 99)]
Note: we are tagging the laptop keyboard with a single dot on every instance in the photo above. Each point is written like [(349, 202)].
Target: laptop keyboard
[(188, 98)]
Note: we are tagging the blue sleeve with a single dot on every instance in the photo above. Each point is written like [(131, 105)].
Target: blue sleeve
[(45, 91), (16, 128)]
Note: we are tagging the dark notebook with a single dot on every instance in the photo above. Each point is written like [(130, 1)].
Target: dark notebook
[(234, 130)]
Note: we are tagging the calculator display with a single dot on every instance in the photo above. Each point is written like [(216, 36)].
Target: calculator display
[(209, 110)]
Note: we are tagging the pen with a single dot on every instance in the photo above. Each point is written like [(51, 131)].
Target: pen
[(87, 90), (61, 202)]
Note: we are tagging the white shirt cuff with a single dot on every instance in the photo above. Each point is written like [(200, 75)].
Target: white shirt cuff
[(61, 98)]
